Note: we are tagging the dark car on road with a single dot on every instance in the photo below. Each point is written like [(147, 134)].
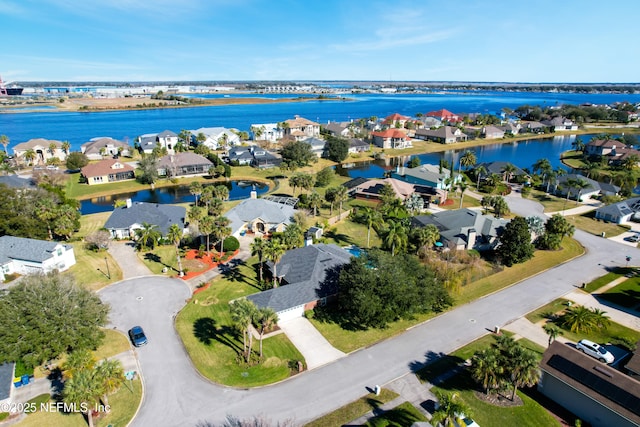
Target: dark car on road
[(137, 336)]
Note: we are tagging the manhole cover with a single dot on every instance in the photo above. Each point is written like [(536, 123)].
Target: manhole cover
[(139, 298), (472, 320)]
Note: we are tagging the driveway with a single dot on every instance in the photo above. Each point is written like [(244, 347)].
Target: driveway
[(314, 347), (124, 253)]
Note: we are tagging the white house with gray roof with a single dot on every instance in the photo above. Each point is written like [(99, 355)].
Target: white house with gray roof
[(259, 216), (20, 255), (308, 277), (125, 220), (215, 138), (620, 212)]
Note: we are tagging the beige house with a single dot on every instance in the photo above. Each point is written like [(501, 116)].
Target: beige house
[(301, 128), (42, 149), (105, 171), (99, 148), (391, 138)]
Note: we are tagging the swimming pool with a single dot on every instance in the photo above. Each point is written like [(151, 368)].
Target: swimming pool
[(354, 250)]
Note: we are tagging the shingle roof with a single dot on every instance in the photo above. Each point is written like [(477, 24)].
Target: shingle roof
[(373, 186), (32, 143), (620, 209), (445, 132), (105, 167), (161, 215), (390, 133), (251, 209), (94, 146), (454, 225), (310, 273), (498, 167), (426, 172), (25, 249), (183, 159)]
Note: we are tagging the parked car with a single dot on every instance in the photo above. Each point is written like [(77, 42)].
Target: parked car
[(462, 420), (595, 350), (137, 336), (634, 238)]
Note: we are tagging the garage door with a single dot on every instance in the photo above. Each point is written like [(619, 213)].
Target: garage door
[(291, 313)]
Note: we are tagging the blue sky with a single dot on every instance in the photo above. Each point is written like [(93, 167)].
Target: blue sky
[(425, 40)]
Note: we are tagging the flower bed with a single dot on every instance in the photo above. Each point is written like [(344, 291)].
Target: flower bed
[(208, 261)]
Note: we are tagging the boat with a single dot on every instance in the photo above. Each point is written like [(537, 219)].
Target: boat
[(12, 90)]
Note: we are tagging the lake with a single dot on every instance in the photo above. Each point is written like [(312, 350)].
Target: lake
[(166, 195), (80, 127)]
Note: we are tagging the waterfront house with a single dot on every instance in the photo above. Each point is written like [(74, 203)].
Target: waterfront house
[(370, 190), (560, 124), (498, 168), (19, 255), (241, 155), (602, 147), (99, 148), (594, 391), (445, 116), (317, 145), (395, 120), (270, 132), (337, 129), (215, 138), (430, 123), (391, 138), (259, 216), (563, 188), (464, 229), (183, 164), (357, 145), (125, 220), (443, 135), (492, 132), (165, 139), (42, 149), (620, 212), (511, 128), (106, 171), (534, 127), (427, 175), (308, 277), (300, 128), (253, 156)]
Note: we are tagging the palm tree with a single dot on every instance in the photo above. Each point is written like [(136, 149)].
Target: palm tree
[(220, 192), (487, 369), (449, 406), (83, 390), (500, 206), (196, 190), (66, 145), (330, 196), (221, 231), (315, 201), (149, 233), (486, 203), (372, 218), (425, 236), (600, 318), (524, 369), (242, 313), (396, 236), (579, 319), (258, 247), (462, 185), (4, 140), (207, 225), (30, 155), (111, 374), (580, 184), (341, 195), (274, 252), (174, 236), (553, 331), (578, 145), (467, 160), (508, 171), (52, 148), (631, 162), (479, 171), (77, 361), (265, 317)]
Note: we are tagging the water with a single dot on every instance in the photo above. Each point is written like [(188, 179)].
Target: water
[(354, 251), (167, 195), (80, 127)]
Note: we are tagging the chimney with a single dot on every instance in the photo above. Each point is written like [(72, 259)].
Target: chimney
[(254, 194), (129, 203), (471, 238)]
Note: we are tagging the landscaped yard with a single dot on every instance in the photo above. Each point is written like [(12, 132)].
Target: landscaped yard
[(587, 222), (550, 202), (626, 294), (207, 332), (606, 279)]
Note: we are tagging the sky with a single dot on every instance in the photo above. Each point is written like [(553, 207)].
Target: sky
[(583, 41)]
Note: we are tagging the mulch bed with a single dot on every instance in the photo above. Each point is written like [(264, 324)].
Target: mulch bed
[(206, 262), (497, 399)]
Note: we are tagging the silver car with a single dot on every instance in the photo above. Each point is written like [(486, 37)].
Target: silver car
[(595, 350)]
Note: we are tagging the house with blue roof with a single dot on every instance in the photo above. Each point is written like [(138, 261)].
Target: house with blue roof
[(21, 255), (125, 220), (259, 216)]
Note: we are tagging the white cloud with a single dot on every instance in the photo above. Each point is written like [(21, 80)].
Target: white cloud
[(388, 39)]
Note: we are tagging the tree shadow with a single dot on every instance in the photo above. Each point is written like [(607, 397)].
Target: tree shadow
[(57, 382), (436, 367), (149, 256), (393, 417), (339, 237), (205, 330), (232, 273)]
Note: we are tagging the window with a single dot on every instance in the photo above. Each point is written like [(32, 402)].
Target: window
[(59, 252)]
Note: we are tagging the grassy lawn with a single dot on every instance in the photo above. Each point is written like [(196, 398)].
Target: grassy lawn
[(124, 404), (207, 332), (547, 311), (541, 261), (606, 279), (159, 258), (550, 202), (590, 224), (354, 409), (347, 232), (573, 159), (469, 202), (626, 294), (402, 415)]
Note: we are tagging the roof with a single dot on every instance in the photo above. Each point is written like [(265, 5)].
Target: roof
[(106, 167), (26, 249), (593, 185), (352, 183), (183, 159), (498, 167), (356, 142), (395, 117), (335, 128), (310, 273), (94, 146), (36, 142), (250, 209), (444, 132), (455, 225), (488, 130), (610, 387), (300, 122), (633, 364), (6, 380), (373, 186), (620, 209), (604, 143), (14, 181), (390, 133), (444, 114), (428, 172), (161, 215), (167, 134)]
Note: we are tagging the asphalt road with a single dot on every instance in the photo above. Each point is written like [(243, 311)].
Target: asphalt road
[(176, 395)]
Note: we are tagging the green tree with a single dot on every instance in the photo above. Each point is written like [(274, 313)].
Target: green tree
[(579, 319), (221, 230), (462, 186), (449, 406), (372, 218), (297, 153), (396, 236), (479, 171), (76, 161), (315, 201), (578, 144), (206, 226), (83, 391), (148, 169), (293, 236), (111, 376), (258, 247), (242, 314), (515, 242), (559, 225), (507, 171), (487, 368), (524, 370), (552, 331), (324, 177), (265, 318), (341, 196), (425, 237), (66, 145), (387, 194), (220, 192), (414, 203), (78, 360), (147, 236), (43, 317), (195, 188), (500, 206), (274, 252), (337, 149), (467, 160), (175, 236), (4, 140), (330, 197), (30, 155)]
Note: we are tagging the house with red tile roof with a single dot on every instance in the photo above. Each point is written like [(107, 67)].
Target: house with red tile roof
[(105, 171), (391, 138), (396, 120), (444, 116)]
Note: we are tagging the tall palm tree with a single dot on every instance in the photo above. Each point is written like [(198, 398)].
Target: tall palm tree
[(242, 313), (83, 390), (487, 369), (196, 190), (149, 233), (480, 171), (221, 231), (524, 369), (580, 185), (341, 196), (4, 140), (396, 236), (372, 218), (553, 331), (578, 145), (52, 148), (175, 236), (425, 236), (206, 226), (66, 145), (77, 361), (220, 192), (265, 318), (30, 156), (258, 247), (468, 159), (508, 171), (274, 252), (315, 201), (111, 374), (449, 406), (462, 186)]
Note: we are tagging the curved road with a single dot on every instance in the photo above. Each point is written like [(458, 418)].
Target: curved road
[(176, 395)]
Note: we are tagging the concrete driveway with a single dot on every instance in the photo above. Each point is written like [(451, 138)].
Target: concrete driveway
[(124, 253), (314, 347)]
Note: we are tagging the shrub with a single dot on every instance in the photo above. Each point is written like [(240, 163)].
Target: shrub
[(21, 369), (309, 314), (230, 244)]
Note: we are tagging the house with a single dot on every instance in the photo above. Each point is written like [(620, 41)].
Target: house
[(19, 255), (308, 277), (595, 392), (395, 120), (357, 145), (241, 155), (430, 122), (166, 139), (259, 216), (464, 229), (498, 168), (428, 175), (215, 138), (301, 128), (391, 138), (511, 128), (109, 170), (253, 156), (337, 129), (620, 212), (444, 116), (534, 127), (560, 124), (563, 188), (370, 190), (99, 148), (492, 132), (602, 147), (125, 220), (183, 164), (42, 149), (270, 132), (317, 145), (444, 135)]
